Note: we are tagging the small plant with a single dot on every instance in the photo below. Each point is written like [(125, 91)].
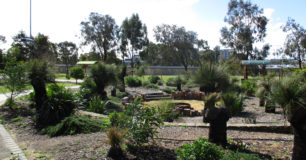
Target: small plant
[(97, 105), (249, 87), (75, 125), (167, 111), (115, 139), (132, 81), (77, 73), (169, 90), (238, 155), (199, 149), (154, 79), (150, 85), (60, 104)]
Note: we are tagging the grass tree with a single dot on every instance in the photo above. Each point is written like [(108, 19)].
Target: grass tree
[(14, 79), (103, 75), (290, 93), (264, 93), (211, 78)]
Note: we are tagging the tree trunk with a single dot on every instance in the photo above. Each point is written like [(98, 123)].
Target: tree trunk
[(40, 93), (299, 148), (113, 92), (179, 87), (217, 132)]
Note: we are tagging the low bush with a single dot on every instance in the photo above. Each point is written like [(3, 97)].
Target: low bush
[(174, 81), (169, 90), (199, 149), (87, 92), (132, 81), (76, 125), (60, 104), (150, 85), (249, 87), (154, 79), (167, 111), (122, 94), (76, 73), (97, 105), (239, 155)]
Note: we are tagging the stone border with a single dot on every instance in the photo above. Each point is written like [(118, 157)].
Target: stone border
[(272, 128), (10, 144)]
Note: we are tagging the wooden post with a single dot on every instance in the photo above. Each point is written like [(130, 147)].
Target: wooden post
[(245, 72)]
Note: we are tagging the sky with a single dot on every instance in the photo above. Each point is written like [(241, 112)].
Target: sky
[(60, 19)]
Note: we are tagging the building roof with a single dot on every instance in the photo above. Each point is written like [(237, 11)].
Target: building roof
[(255, 62), (87, 62)]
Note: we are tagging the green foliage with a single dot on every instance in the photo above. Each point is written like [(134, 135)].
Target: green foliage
[(233, 102), (76, 125), (249, 87), (154, 79), (167, 111), (200, 149), (117, 119), (174, 81), (141, 123), (122, 94), (14, 78), (60, 104), (211, 99), (97, 105), (290, 92), (169, 90), (87, 92), (132, 81), (77, 73), (211, 78), (115, 138), (140, 71), (149, 85), (101, 32), (239, 156), (103, 75)]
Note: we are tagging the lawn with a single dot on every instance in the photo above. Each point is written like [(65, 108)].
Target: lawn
[(62, 76), (3, 89)]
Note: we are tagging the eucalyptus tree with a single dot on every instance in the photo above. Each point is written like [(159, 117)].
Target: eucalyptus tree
[(295, 45), (101, 32), (68, 54), (133, 37), (181, 43), (247, 25)]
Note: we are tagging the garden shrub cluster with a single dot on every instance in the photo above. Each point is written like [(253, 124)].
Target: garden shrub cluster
[(233, 102), (60, 104), (149, 85), (169, 90), (154, 79), (75, 125), (132, 81), (249, 87), (199, 149), (167, 111)]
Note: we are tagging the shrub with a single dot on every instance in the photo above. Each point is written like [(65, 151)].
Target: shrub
[(238, 155), (76, 125), (174, 81), (87, 92), (117, 119), (141, 123), (249, 87), (169, 90), (103, 75), (150, 85), (199, 149), (115, 138), (122, 94), (60, 104), (132, 81), (233, 102), (154, 79), (77, 73), (167, 111), (97, 105)]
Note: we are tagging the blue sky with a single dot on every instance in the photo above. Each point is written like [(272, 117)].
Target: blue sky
[(60, 19)]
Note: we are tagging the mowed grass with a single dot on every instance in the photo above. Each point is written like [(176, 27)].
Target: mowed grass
[(196, 104), (62, 76), (4, 89)]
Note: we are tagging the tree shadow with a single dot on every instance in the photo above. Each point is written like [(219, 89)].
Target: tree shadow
[(153, 152)]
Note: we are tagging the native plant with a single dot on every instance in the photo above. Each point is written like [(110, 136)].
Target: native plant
[(211, 78), (77, 73), (103, 75), (290, 94), (199, 149), (14, 78)]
